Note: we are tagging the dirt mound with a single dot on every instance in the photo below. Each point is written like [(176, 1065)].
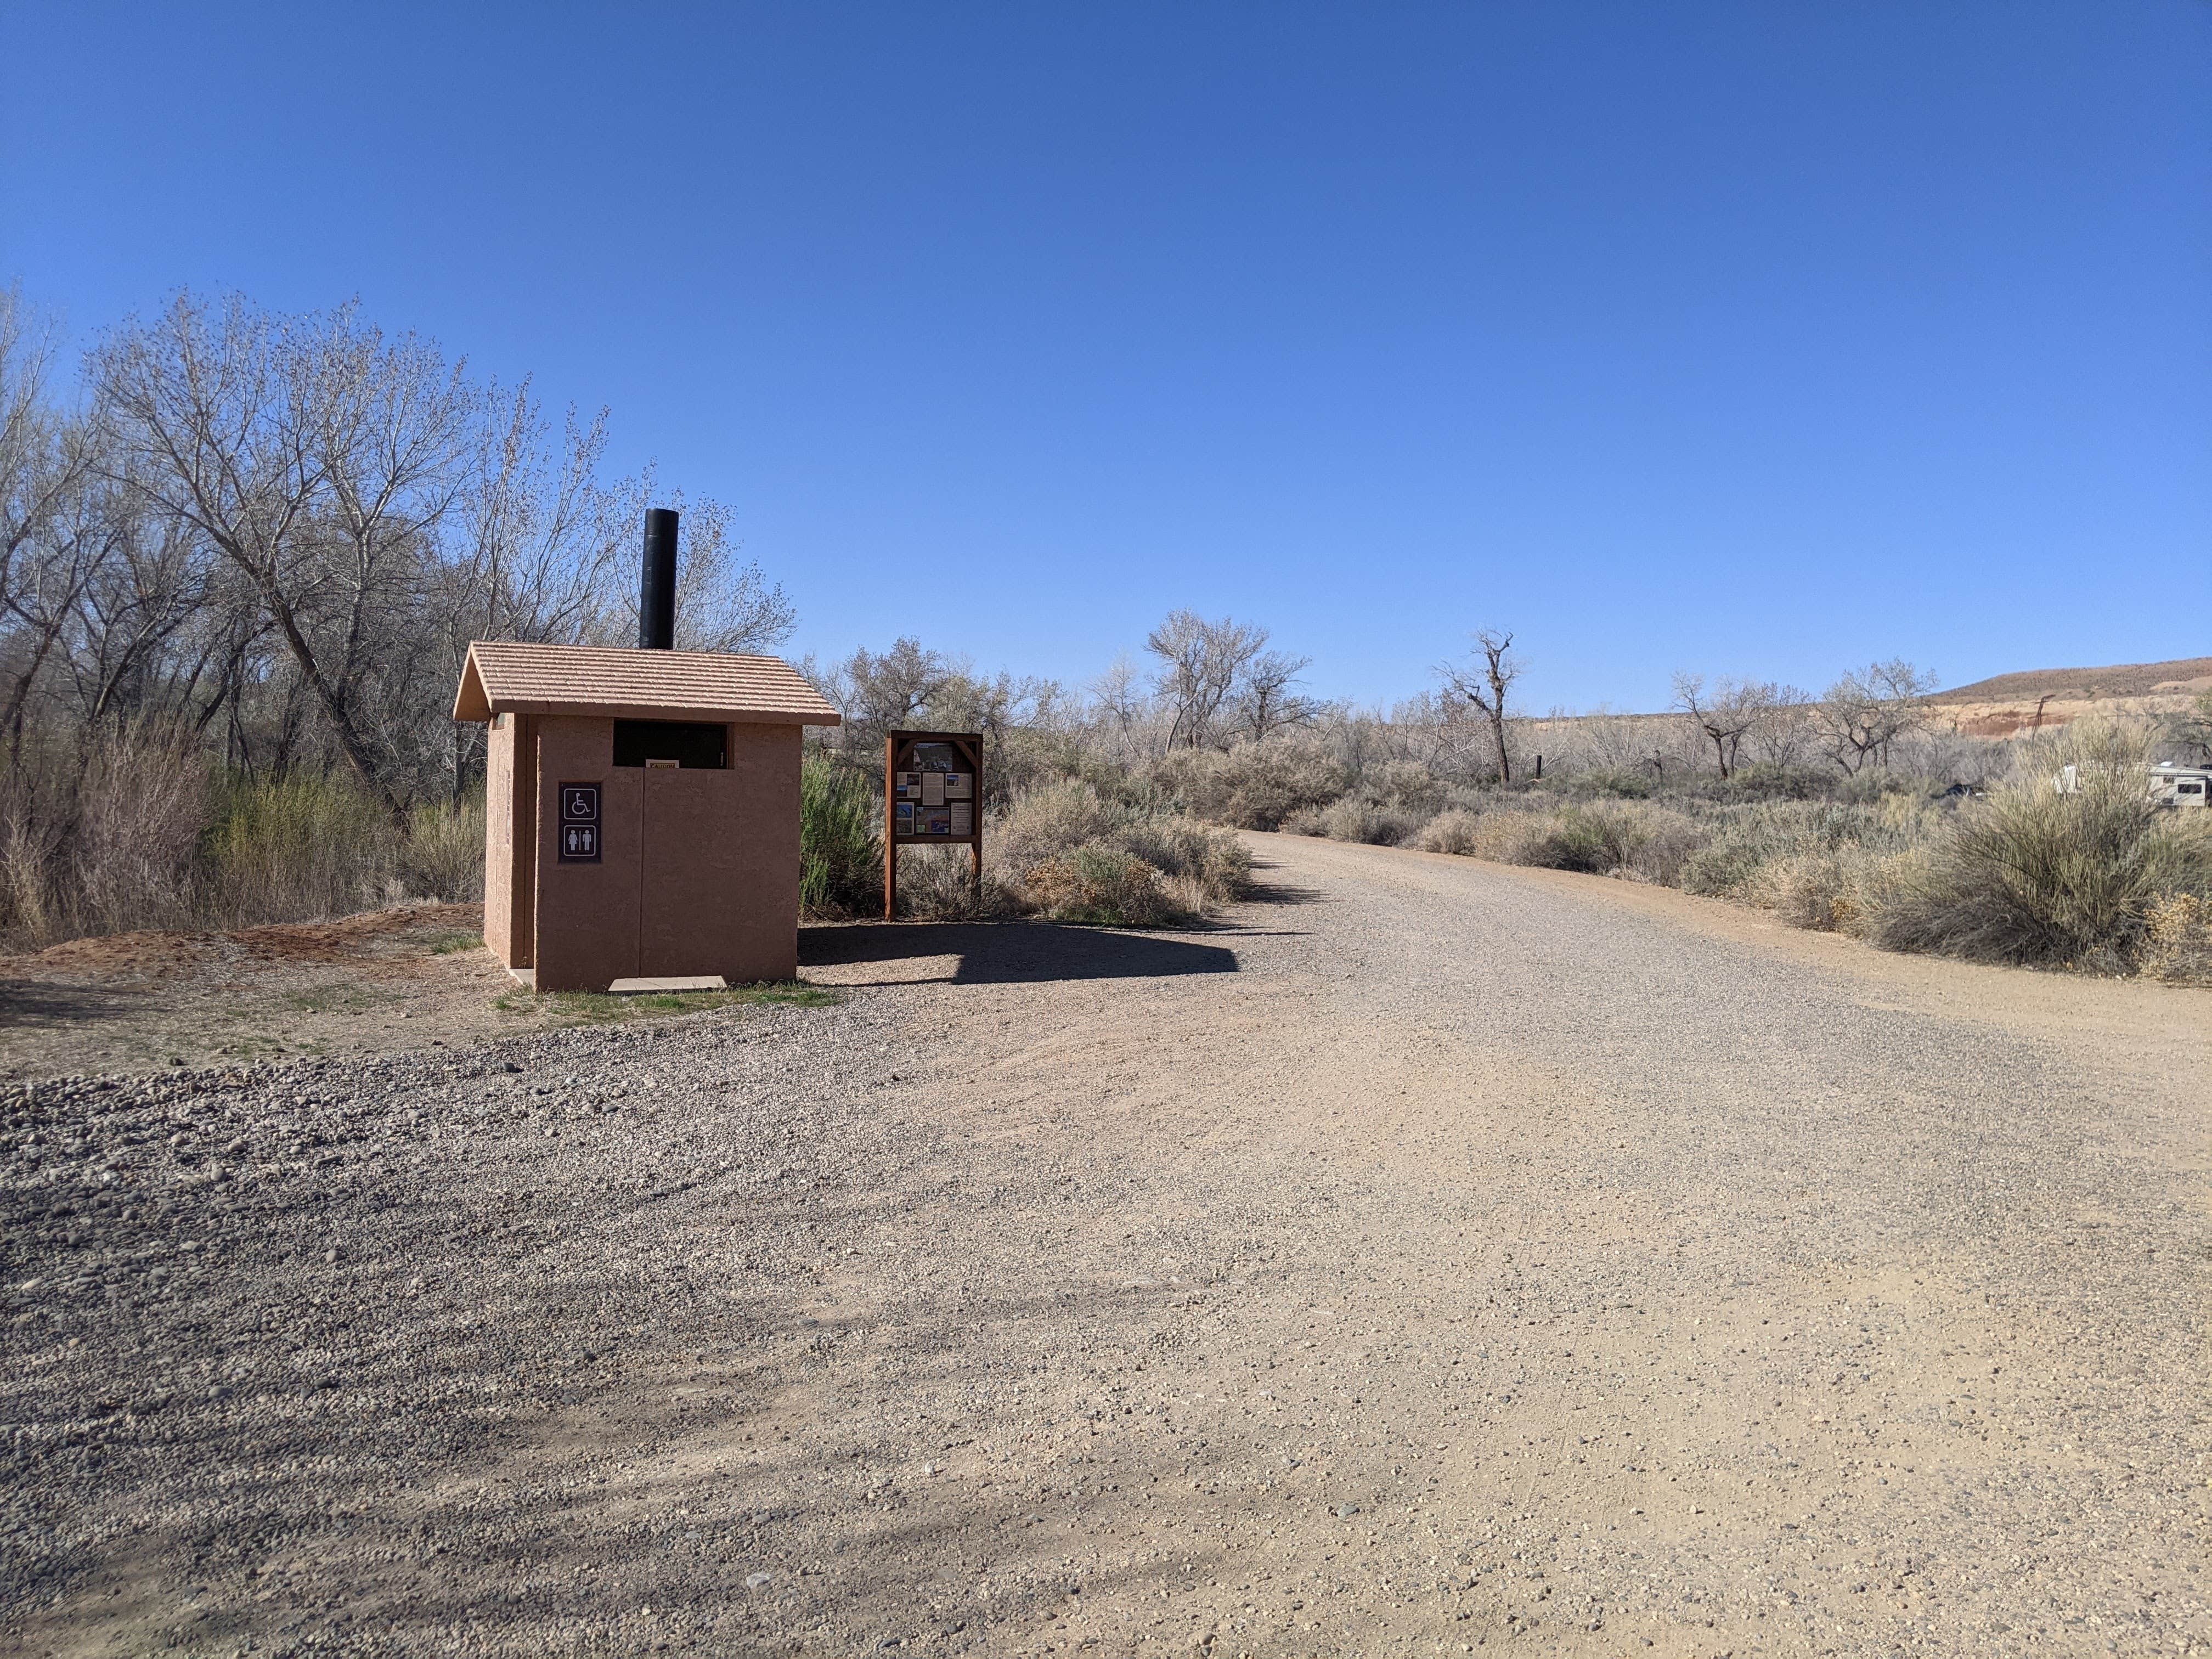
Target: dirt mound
[(2136, 679)]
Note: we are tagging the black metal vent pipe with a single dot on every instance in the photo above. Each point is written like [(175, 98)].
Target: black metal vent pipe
[(656, 593)]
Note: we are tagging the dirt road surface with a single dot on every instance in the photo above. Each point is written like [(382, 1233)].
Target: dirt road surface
[(1433, 1257)]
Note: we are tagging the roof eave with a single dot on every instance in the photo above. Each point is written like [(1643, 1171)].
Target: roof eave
[(471, 700), (662, 711)]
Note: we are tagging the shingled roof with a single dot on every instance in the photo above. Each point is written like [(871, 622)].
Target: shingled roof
[(501, 678)]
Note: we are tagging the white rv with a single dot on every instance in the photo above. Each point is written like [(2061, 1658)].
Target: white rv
[(2170, 785), (2181, 786)]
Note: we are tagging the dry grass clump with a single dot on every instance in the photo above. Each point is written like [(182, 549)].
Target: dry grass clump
[(1062, 850), (441, 856), (1452, 830), (1355, 818), (2041, 877), (1627, 838), (2178, 939)]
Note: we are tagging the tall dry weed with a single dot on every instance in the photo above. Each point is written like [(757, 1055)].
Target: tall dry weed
[(441, 855), (298, 848)]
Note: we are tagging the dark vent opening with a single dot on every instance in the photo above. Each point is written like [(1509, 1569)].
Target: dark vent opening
[(671, 742)]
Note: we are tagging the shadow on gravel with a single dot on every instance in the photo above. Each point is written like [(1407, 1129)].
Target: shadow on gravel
[(1266, 892), (1014, 953), (26, 1004)]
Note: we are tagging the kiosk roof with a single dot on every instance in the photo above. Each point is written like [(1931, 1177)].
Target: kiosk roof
[(607, 682)]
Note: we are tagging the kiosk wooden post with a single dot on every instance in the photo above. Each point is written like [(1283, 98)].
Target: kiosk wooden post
[(932, 797)]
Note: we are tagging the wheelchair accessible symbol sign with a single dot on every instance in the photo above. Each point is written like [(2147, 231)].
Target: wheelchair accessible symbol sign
[(579, 823)]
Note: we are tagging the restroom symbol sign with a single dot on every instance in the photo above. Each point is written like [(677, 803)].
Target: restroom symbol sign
[(579, 823)]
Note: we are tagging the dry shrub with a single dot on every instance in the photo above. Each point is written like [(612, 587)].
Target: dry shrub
[(1748, 846), (1375, 824), (1253, 785), (101, 837), (1604, 838), (1662, 846), (442, 855), (141, 804), (1194, 866), (1824, 892), (1102, 885), (2039, 878), (27, 900), (2178, 939), (1050, 820), (1207, 866), (1452, 830), (938, 884)]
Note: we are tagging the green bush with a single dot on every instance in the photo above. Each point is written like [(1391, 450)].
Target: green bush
[(297, 847), (840, 850)]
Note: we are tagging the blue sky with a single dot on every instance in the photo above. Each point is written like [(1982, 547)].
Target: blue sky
[(1760, 338)]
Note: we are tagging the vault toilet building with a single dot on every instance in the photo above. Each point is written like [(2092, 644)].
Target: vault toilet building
[(642, 807)]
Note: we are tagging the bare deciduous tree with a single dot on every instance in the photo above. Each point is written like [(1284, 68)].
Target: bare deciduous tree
[(1268, 703), (1865, 712), (312, 454), (1784, 733), (1483, 684), (1727, 712), (1118, 701), (1201, 663)]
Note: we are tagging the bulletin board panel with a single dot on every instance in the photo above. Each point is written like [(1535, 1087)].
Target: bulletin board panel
[(932, 797)]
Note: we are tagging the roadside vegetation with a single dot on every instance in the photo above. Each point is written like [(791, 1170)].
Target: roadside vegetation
[(225, 681)]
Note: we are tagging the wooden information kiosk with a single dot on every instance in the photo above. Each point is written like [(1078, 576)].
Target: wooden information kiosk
[(932, 797)]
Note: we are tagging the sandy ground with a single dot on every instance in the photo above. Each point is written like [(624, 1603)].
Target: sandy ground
[(1434, 1257), (382, 982)]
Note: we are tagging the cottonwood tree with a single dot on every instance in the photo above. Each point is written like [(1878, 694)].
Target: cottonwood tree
[(1483, 684), (1118, 703), (1268, 704), (723, 603), (315, 454), (1866, 711), (1786, 729), (535, 552), (1201, 663), (51, 536), (1727, 712)]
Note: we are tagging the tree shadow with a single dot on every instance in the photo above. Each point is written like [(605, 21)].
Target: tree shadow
[(1013, 953), (36, 1005), (1267, 888)]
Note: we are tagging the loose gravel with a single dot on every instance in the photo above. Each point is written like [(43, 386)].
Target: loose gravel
[(1433, 1258)]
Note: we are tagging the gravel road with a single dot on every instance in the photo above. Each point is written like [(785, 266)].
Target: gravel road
[(1433, 1257)]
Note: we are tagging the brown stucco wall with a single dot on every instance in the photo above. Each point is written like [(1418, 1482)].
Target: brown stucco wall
[(523, 888), (721, 872), (698, 871), (587, 914), (499, 839), (510, 846)]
